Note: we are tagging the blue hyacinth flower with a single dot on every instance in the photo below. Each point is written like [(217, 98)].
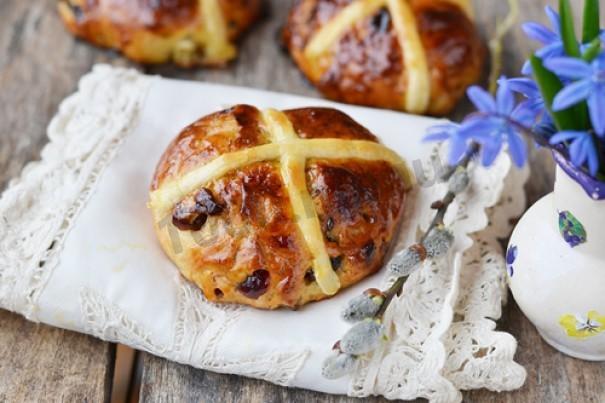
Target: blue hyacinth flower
[(449, 132), (550, 39), (589, 85), (582, 149), (497, 121), (533, 102)]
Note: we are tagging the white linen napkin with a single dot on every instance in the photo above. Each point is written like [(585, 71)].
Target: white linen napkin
[(78, 251)]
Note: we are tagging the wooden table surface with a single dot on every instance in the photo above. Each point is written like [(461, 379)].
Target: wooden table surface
[(40, 64)]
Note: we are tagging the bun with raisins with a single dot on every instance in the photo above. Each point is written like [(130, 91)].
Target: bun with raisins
[(417, 56), (187, 32), (277, 208)]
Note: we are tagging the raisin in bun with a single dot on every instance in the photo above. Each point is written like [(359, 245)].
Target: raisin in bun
[(271, 208), (187, 32), (412, 55)]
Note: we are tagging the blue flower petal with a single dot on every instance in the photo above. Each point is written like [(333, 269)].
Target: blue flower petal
[(526, 69), (555, 49), (525, 86), (555, 19), (593, 157), (505, 100), (565, 135), (437, 136), (577, 153), (482, 100), (582, 149), (539, 32), (489, 151), (569, 67), (517, 148), (440, 132), (596, 106), (481, 127), (572, 94), (449, 132), (598, 64), (527, 112), (458, 148)]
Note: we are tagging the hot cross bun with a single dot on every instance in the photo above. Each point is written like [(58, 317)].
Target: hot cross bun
[(187, 32), (412, 55), (277, 208)]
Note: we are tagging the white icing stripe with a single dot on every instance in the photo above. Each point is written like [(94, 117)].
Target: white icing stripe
[(307, 221), (295, 181), (415, 65), (171, 192), (279, 126), (164, 198), (416, 70), (331, 32), (216, 41)]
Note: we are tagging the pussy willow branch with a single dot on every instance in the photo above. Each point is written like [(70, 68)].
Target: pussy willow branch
[(441, 206), (495, 44)]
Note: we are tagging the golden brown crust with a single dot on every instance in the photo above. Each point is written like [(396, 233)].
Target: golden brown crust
[(359, 206), (259, 235), (366, 65), (314, 123), (454, 51), (219, 133), (158, 31), (250, 250)]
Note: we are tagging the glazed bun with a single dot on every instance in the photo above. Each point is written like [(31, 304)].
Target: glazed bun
[(186, 32), (271, 208), (417, 56)]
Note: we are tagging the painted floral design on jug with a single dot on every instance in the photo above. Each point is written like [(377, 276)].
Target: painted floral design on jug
[(580, 327), (511, 256), (571, 229)]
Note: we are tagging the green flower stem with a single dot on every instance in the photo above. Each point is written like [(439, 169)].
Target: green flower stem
[(570, 42), (591, 26)]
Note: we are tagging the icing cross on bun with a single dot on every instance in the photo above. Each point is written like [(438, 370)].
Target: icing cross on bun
[(271, 208), (417, 56), (187, 32)]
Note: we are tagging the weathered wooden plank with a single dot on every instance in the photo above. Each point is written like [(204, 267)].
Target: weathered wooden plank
[(552, 377), (39, 66), (40, 363), (164, 381)]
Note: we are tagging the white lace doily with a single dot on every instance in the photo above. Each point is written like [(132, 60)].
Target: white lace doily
[(77, 251)]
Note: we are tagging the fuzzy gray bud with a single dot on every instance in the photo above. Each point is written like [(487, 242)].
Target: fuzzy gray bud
[(362, 338), (459, 181), (338, 365), (361, 307), (406, 261), (438, 242)]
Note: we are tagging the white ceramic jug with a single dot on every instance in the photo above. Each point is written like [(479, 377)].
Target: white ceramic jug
[(556, 264)]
